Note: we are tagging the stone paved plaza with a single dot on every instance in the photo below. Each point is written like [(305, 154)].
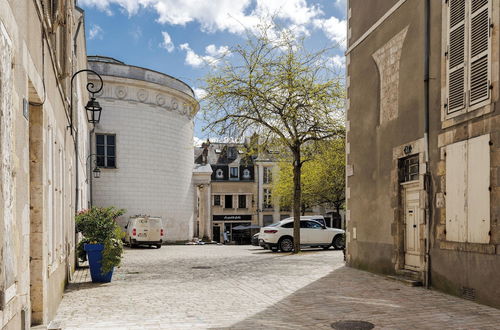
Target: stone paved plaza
[(250, 288)]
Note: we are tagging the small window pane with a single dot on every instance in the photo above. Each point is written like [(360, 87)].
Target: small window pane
[(100, 139), (111, 162), (100, 150), (100, 161), (111, 140), (111, 151), (216, 199)]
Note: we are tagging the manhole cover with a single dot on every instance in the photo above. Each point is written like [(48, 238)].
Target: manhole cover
[(201, 267), (352, 325)]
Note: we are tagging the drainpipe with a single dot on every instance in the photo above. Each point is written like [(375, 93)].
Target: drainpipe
[(427, 181), (90, 172)]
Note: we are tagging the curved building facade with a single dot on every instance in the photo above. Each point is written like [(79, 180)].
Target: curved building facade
[(143, 145)]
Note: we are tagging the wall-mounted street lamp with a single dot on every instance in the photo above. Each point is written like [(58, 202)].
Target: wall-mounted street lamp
[(93, 108), (96, 172)]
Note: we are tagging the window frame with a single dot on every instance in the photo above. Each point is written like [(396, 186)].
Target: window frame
[(105, 146), (237, 170), (242, 198), (267, 198), (217, 200), (267, 175), (485, 106), (229, 198)]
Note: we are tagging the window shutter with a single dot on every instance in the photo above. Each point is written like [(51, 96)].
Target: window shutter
[(479, 46), (478, 193), (456, 55), (456, 179)]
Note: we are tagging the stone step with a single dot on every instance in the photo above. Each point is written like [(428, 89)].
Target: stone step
[(406, 280)]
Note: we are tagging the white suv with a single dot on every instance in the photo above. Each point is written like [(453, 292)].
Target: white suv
[(312, 233)]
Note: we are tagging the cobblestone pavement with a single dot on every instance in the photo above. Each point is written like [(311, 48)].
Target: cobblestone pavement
[(249, 288)]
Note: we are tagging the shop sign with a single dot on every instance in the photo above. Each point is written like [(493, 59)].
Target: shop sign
[(231, 217)]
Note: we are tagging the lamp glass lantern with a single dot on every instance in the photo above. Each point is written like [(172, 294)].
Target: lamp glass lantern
[(97, 172), (93, 111)]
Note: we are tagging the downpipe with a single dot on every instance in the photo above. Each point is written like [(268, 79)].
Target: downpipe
[(427, 177)]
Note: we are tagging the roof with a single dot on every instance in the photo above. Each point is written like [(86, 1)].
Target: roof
[(224, 154), (108, 66)]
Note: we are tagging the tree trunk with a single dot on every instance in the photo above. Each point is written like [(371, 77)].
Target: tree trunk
[(296, 200)]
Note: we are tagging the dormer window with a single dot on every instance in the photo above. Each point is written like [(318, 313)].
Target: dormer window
[(232, 153), (246, 173), (234, 173), (219, 174)]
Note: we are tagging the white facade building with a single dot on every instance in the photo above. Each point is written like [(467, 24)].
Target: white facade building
[(144, 145)]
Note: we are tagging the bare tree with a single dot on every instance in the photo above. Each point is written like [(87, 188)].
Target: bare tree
[(274, 86)]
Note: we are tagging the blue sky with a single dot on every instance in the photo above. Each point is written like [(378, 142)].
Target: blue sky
[(177, 36)]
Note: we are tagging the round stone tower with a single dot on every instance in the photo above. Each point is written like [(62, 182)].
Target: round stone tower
[(143, 145)]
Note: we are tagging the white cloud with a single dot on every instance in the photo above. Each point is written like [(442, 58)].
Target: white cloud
[(334, 29), (167, 42), (213, 55), (341, 4), (197, 141), (199, 93), (337, 61), (217, 15), (136, 32), (95, 32)]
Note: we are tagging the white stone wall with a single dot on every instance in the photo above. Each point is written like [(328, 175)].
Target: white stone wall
[(154, 154)]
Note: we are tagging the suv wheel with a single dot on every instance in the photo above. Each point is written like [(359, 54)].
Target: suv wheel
[(338, 242), (286, 244)]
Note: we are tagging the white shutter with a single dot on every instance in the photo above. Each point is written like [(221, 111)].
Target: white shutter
[(456, 179), (479, 50), (456, 55), (478, 194)]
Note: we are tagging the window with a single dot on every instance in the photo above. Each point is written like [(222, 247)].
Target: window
[(234, 173), (219, 174), (246, 174), (228, 201), (468, 54), (216, 200), (313, 225), (232, 153), (268, 175), (106, 150), (288, 225), (267, 199), (467, 190), (242, 201), (408, 168)]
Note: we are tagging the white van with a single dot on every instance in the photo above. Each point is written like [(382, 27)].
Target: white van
[(144, 230)]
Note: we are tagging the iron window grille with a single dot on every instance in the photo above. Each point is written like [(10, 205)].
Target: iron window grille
[(409, 168)]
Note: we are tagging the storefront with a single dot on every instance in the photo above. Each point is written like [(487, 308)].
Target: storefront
[(228, 223)]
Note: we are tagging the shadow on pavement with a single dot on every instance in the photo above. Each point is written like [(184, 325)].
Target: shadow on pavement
[(351, 294)]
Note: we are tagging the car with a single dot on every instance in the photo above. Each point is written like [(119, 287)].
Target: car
[(144, 230), (279, 236), (255, 240)]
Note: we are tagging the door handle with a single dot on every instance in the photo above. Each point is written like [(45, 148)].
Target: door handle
[(414, 226)]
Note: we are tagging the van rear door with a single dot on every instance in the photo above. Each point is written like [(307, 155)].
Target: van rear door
[(155, 226)]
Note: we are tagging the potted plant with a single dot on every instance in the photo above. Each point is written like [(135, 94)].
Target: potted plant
[(102, 241)]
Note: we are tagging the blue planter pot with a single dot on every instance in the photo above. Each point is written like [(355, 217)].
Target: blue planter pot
[(94, 255)]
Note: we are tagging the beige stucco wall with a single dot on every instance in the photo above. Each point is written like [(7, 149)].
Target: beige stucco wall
[(34, 70)]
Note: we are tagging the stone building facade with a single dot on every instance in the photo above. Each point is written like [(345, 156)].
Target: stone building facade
[(423, 143), (42, 144), (238, 187), (144, 145)]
